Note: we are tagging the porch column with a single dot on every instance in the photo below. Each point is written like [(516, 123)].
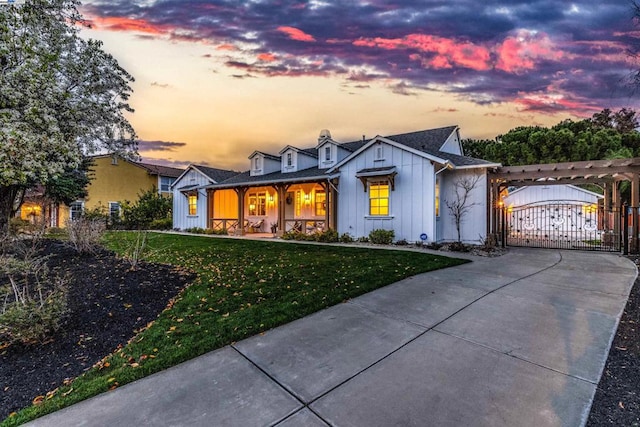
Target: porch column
[(210, 208), (333, 205), (615, 209), (240, 191), (281, 190), (327, 217)]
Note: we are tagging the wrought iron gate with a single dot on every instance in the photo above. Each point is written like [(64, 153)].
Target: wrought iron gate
[(561, 226)]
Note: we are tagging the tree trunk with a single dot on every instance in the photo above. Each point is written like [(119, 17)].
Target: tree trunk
[(8, 196)]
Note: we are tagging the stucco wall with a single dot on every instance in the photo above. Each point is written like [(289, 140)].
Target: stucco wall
[(116, 182)]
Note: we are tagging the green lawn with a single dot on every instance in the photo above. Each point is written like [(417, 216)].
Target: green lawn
[(243, 287)]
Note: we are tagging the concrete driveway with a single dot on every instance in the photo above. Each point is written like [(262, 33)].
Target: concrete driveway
[(519, 340)]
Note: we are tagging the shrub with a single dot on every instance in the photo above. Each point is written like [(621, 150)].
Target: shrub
[(434, 245), (149, 207), (363, 239), (85, 233), (346, 238), (458, 247), (195, 230), (161, 224), (382, 237), (327, 236), (34, 304), (402, 242)]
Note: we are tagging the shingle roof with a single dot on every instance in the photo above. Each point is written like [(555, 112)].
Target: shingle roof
[(246, 178), (162, 170), (216, 175)]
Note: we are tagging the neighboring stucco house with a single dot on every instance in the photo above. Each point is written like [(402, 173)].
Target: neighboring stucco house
[(113, 180), (190, 203), (398, 182)]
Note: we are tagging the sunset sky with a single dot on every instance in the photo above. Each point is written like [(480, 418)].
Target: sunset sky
[(216, 80)]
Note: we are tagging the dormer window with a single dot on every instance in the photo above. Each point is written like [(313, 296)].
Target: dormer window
[(289, 159), (327, 153), (256, 163)]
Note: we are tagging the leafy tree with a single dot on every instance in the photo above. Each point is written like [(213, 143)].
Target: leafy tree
[(61, 98), (71, 185)]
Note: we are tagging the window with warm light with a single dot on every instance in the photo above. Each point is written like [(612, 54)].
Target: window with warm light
[(258, 204), (321, 203), (437, 198), (379, 198), (193, 204)]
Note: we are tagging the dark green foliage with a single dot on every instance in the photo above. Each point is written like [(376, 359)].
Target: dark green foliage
[(150, 206), (326, 236), (346, 238), (71, 185), (382, 237), (605, 135)]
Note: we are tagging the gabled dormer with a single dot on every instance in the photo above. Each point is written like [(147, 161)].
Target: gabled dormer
[(329, 151), (293, 159), (263, 163)]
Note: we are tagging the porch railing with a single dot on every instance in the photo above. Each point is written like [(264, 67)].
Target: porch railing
[(229, 224), (304, 225)]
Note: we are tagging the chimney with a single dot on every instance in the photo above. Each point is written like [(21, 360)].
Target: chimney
[(324, 135)]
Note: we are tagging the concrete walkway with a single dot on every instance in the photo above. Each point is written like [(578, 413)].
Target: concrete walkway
[(519, 340)]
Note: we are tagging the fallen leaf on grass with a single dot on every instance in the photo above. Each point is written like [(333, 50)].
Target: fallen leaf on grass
[(67, 393), (621, 348), (38, 400)]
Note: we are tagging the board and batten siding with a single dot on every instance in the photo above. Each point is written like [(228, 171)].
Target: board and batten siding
[(473, 224), (181, 217), (411, 205)]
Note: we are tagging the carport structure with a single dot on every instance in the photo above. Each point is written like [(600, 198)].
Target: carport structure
[(608, 174)]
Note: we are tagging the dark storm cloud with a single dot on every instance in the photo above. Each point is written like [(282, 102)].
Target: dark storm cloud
[(545, 55)]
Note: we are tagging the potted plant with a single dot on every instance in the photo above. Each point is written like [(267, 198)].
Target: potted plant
[(274, 227)]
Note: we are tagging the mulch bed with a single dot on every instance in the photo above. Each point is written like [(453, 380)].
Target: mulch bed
[(617, 399), (108, 302)]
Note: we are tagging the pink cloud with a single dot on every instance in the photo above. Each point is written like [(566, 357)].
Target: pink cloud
[(296, 34), (116, 23), (226, 46), (520, 52), (449, 52), (267, 57), (549, 103)]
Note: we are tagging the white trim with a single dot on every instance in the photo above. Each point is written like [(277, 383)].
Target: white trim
[(390, 142), (191, 167)]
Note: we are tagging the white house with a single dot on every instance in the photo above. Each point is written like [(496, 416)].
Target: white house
[(400, 182), (190, 204)]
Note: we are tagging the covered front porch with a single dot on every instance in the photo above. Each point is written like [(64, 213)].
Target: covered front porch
[(304, 207)]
